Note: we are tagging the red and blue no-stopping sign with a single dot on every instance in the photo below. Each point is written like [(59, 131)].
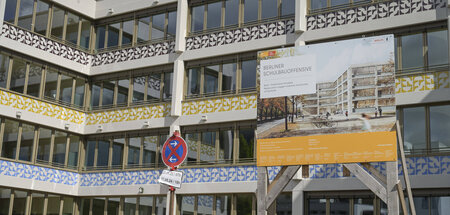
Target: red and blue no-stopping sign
[(174, 151)]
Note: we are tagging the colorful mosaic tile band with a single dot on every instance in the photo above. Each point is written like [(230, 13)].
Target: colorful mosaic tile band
[(129, 114), (422, 82), (219, 105), (375, 11)]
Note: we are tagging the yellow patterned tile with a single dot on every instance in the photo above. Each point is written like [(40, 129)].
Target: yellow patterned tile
[(422, 82), (216, 105)]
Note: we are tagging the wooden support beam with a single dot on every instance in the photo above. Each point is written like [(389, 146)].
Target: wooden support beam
[(391, 187), (367, 179), (261, 190), (401, 196), (277, 186), (375, 172), (405, 169)]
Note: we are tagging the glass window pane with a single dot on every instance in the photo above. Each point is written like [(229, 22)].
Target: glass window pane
[(18, 73), (103, 153), (187, 205), (68, 206), (317, 206), (363, 206), (95, 95), (284, 203), (338, 2), (85, 36), (53, 205), (113, 35), (72, 28), (162, 140), (223, 204), (204, 204), (158, 23), (85, 205), (73, 151), (339, 206), (145, 205), (246, 143), (318, 4), (287, 7), (65, 94), (214, 15), (208, 146), (10, 11), (40, 25), (98, 206), (129, 206), (79, 92), (194, 81), (4, 67), (5, 195), (211, 79), (248, 74), (57, 22), (226, 145), (250, 10), (244, 204), (150, 143), (414, 129), (113, 206), (51, 80), (34, 80), (100, 37), (37, 203), (43, 151), (90, 153), (440, 127), (160, 207), (20, 200), (167, 91), (26, 13), (134, 150), (122, 91), (192, 141), (437, 48), (197, 18), (26, 142), (59, 151), (229, 77), (269, 9), (231, 12), (172, 24), (10, 135), (154, 87), (138, 89), (108, 93), (412, 51), (127, 32), (439, 204), (117, 154), (143, 29)]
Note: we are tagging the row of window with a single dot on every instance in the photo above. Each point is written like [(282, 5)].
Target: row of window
[(425, 128), (41, 81), (231, 13), (224, 78), (49, 20)]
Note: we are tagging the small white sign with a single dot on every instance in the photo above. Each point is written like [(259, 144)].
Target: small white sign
[(288, 76), (171, 178)]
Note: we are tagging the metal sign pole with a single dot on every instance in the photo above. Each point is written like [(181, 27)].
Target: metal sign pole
[(172, 196)]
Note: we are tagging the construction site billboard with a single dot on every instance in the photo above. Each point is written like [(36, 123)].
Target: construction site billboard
[(327, 103)]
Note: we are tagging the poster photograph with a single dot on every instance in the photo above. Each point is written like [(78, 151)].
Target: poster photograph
[(338, 99)]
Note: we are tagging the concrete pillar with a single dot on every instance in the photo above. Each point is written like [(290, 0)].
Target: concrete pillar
[(298, 202), (391, 188), (182, 16), (2, 12), (177, 89), (448, 35), (300, 16)]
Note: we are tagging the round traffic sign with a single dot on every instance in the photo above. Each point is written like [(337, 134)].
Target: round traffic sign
[(174, 151)]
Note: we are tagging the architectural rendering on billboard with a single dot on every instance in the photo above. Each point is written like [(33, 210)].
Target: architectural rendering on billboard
[(337, 97)]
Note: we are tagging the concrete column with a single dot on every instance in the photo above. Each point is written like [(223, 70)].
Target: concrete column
[(177, 89), (2, 12), (392, 193), (300, 16), (182, 16), (297, 202), (448, 35)]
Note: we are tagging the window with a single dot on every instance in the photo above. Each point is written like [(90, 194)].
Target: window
[(187, 205), (145, 205), (246, 143), (208, 146), (154, 87), (26, 142), (122, 91), (269, 9), (214, 15), (138, 89), (20, 202), (113, 206), (160, 207), (231, 12), (192, 141), (229, 77), (37, 203), (211, 79), (57, 22), (45, 137), (197, 19), (68, 205), (250, 10), (73, 151), (127, 33), (113, 35), (51, 82), (85, 35), (59, 148), (248, 75), (103, 153), (95, 95), (108, 93), (287, 7), (223, 204), (143, 29), (437, 51), (117, 153), (150, 149), (100, 37), (244, 203), (414, 129), (167, 90), (98, 205), (226, 140), (4, 67), (158, 26), (439, 127), (42, 10), (134, 149), (66, 84), (129, 206), (25, 14), (90, 153), (194, 81), (73, 22), (172, 24), (5, 196), (10, 136), (206, 209), (10, 11), (18, 73), (79, 92), (34, 80), (412, 51)]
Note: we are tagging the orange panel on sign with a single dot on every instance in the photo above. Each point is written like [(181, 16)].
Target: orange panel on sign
[(326, 149)]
